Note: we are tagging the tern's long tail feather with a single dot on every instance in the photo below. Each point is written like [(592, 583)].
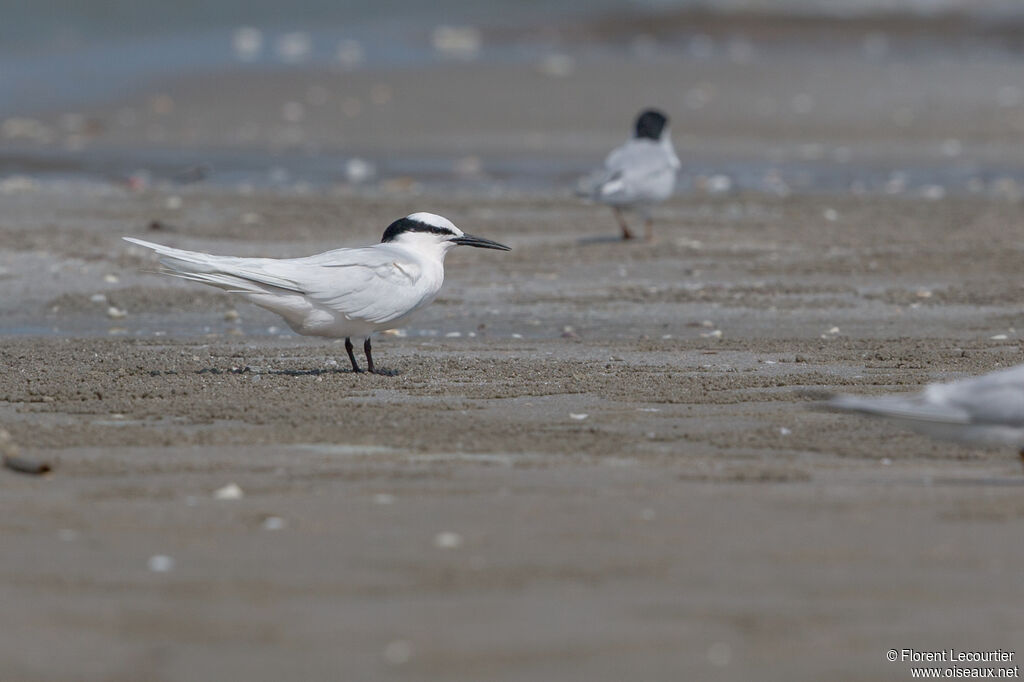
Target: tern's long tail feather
[(236, 275), (910, 408)]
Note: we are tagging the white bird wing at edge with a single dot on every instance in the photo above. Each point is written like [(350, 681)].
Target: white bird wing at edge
[(993, 398), (912, 408), (996, 398)]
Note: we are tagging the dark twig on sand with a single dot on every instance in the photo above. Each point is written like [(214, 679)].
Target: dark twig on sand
[(23, 465)]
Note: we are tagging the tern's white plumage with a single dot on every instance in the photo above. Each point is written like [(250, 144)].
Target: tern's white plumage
[(637, 175), (342, 293), (987, 409)]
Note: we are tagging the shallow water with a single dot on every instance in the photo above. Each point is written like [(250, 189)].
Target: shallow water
[(68, 53)]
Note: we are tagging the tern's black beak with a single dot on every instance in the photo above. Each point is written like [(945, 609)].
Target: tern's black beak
[(479, 242)]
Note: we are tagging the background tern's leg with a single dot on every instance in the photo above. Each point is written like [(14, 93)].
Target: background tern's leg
[(626, 234), (369, 355), (351, 356), (648, 230)]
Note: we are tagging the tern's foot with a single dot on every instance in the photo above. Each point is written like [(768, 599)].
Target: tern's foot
[(627, 235)]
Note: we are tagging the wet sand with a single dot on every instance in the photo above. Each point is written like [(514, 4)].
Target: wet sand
[(698, 522), (593, 460)]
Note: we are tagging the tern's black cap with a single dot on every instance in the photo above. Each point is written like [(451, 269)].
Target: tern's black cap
[(650, 123), (417, 222)]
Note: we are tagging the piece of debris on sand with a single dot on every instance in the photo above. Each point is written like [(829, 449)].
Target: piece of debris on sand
[(12, 459)]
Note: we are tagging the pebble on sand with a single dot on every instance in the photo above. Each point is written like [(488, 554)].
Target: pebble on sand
[(349, 54), (247, 43), (359, 170), (229, 492), (578, 417), (447, 540), (557, 65), (115, 313), (718, 184), (461, 42), (11, 458), (274, 523), (294, 47), (161, 563)]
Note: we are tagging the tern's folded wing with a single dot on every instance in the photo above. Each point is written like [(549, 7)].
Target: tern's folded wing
[(370, 284), (632, 170)]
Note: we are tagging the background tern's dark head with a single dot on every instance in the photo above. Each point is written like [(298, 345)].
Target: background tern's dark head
[(650, 124), (427, 231)]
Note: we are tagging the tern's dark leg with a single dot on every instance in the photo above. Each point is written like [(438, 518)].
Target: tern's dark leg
[(351, 355), (648, 230), (369, 355), (626, 234)]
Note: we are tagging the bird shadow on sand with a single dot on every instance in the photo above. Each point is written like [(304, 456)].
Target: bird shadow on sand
[(321, 372), (605, 239), (284, 372)]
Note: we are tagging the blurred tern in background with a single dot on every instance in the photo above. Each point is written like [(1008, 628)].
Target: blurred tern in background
[(984, 410), (638, 174), (343, 293)]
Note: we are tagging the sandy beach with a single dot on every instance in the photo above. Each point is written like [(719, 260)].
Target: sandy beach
[(592, 460)]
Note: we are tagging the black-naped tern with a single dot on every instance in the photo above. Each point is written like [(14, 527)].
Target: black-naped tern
[(342, 293)]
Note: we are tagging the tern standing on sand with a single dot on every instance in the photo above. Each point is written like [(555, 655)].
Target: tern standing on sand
[(343, 293), (987, 409), (638, 174)]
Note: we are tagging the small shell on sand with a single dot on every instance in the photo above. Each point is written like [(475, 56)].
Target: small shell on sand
[(447, 540), (229, 492)]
